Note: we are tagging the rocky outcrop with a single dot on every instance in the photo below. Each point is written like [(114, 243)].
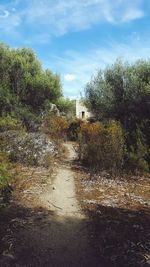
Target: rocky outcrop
[(28, 148)]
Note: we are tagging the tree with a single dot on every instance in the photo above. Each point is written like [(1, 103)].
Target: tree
[(66, 106), (122, 92), (23, 82)]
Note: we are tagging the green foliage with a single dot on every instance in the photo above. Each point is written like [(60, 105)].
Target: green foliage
[(74, 128), (31, 121), (9, 123), (122, 92), (136, 157), (23, 82), (66, 106), (5, 176)]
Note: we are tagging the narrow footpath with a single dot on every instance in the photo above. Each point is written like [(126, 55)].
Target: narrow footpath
[(69, 235), (50, 231)]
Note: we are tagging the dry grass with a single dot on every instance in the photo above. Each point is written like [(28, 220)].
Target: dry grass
[(124, 193), (119, 210), (30, 182)]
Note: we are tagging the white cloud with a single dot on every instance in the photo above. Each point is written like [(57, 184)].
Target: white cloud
[(63, 16), (69, 77), (57, 17), (86, 64), (132, 14)]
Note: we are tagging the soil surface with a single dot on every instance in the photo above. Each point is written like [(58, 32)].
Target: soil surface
[(51, 232), (69, 233), (64, 216)]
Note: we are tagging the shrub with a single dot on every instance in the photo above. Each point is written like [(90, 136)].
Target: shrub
[(5, 176), (56, 127), (30, 120), (66, 106), (137, 155), (74, 128), (9, 123), (101, 145), (114, 145)]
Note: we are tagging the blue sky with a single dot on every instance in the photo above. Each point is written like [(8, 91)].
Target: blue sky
[(75, 38)]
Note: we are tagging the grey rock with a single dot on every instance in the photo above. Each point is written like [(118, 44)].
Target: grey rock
[(31, 148)]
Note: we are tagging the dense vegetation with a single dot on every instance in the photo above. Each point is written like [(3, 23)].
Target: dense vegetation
[(25, 88), (66, 106), (119, 98), (26, 94), (101, 146), (122, 93)]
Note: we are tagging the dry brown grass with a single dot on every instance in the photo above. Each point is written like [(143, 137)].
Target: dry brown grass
[(119, 210), (29, 183), (124, 193)]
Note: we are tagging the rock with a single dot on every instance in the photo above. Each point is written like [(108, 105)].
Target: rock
[(30, 148)]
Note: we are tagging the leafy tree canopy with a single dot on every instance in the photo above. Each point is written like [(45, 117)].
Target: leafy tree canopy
[(23, 82), (122, 92)]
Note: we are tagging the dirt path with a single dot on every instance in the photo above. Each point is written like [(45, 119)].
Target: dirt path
[(62, 198), (69, 234), (53, 233)]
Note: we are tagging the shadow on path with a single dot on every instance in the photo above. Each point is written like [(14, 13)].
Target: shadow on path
[(37, 237), (120, 236), (40, 237)]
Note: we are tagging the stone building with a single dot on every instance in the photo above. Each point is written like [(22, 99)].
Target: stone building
[(81, 111)]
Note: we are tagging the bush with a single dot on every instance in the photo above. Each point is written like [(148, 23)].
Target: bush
[(101, 146), (56, 127), (74, 128), (66, 106), (9, 123), (30, 120), (122, 92), (5, 188), (136, 157)]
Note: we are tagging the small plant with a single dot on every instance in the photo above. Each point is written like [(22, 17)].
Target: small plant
[(48, 161), (8, 123), (5, 176)]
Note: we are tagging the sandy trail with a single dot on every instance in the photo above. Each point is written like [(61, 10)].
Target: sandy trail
[(62, 198), (54, 234), (68, 233)]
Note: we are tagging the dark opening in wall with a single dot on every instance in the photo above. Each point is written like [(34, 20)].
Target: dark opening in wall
[(83, 114)]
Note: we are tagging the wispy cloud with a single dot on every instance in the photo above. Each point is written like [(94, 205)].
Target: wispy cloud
[(38, 22), (69, 77), (84, 65), (64, 15), (60, 16), (132, 15)]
